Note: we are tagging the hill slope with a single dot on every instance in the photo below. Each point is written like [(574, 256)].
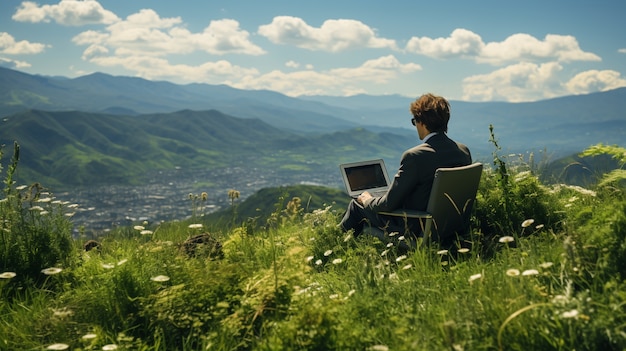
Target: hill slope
[(560, 126), (80, 148)]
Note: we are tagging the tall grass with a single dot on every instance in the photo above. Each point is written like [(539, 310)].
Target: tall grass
[(547, 276)]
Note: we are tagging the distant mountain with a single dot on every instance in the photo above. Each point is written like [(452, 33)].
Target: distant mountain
[(100, 92), (559, 126), (81, 148)]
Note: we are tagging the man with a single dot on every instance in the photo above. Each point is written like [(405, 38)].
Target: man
[(412, 183)]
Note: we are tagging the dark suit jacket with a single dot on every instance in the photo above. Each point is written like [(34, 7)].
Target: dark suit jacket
[(411, 185)]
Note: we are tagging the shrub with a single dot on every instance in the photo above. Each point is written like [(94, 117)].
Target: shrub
[(509, 195)]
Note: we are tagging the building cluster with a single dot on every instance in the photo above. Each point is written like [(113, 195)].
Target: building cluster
[(170, 195)]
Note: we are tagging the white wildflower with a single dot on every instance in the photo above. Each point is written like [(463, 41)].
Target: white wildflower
[(51, 271), (195, 226), (506, 239), (546, 265), (570, 314), (7, 275), (527, 223), (401, 258), (530, 272), (337, 261), (512, 272), (475, 277), (160, 278), (328, 253)]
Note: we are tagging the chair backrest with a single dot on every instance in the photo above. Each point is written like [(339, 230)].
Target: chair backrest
[(451, 200)]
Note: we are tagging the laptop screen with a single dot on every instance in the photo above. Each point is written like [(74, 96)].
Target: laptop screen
[(368, 176)]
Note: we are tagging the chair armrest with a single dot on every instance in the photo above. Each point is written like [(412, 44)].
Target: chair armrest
[(407, 213)]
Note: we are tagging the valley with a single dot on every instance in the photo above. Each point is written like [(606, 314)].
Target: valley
[(164, 195)]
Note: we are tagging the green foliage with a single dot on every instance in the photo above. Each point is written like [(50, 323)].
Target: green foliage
[(78, 148), (616, 177), (512, 194), (35, 232), (299, 283), (259, 207)]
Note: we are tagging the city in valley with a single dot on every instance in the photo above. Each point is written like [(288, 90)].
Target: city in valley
[(168, 195)]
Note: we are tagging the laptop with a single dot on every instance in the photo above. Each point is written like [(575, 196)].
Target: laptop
[(370, 176)]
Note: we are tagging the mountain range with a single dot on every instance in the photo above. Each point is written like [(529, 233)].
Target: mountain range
[(100, 128)]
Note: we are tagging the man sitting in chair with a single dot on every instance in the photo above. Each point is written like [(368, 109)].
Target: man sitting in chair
[(412, 183)]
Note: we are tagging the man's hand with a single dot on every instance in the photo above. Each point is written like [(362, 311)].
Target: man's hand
[(363, 197)]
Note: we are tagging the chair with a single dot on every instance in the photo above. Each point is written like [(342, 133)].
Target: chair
[(450, 204)]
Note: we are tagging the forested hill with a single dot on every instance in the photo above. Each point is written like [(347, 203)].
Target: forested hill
[(80, 148)]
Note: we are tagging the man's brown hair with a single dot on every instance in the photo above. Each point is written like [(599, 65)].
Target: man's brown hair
[(433, 111)]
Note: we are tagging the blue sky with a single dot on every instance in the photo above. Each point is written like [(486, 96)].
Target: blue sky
[(465, 50)]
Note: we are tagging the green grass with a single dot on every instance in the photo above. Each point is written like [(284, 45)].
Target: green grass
[(297, 283)]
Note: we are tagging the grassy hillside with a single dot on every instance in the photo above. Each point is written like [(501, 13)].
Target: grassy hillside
[(258, 209), (548, 277), (78, 148)]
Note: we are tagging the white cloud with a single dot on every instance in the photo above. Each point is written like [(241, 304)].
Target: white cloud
[(622, 51), (156, 68), (146, 33), (13, 64), (66, 12), (333, 35), (524, 81), (594, 80), (9, 46), (339, 81), (563, 48), (463, 43), (292, 64)]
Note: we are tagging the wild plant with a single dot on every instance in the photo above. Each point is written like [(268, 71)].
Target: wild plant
[(617, 176), (508, 195), (198, 202), (35, 231), (598, 216)]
